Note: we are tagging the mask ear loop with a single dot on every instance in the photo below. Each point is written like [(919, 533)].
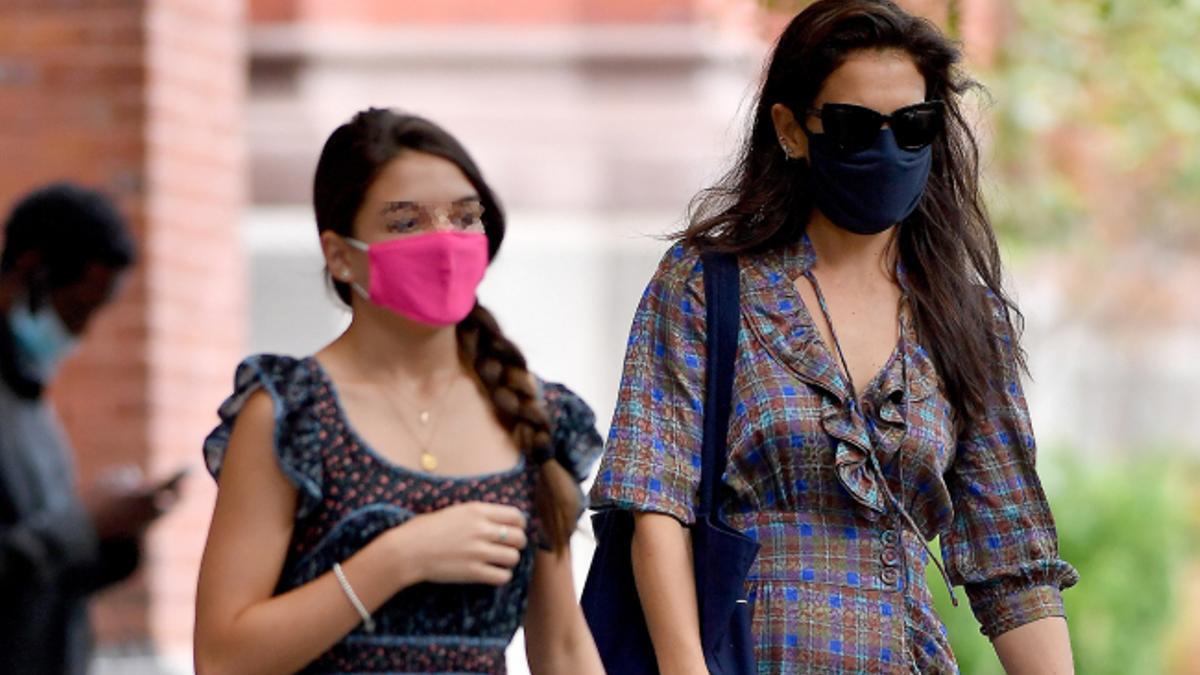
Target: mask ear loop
[(357, 287)]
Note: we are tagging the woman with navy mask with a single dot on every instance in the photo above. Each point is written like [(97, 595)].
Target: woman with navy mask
[(402, 501), (876, 398)]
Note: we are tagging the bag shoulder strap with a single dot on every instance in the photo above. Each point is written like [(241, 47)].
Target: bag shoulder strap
[(722, 300)]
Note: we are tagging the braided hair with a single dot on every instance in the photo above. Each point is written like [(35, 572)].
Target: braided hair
[(504, 377), (352, 158)]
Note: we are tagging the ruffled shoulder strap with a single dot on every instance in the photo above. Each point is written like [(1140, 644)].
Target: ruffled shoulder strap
[(292, 385), (577, 445)]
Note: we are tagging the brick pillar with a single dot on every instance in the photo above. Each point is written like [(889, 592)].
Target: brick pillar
[(144, 100)]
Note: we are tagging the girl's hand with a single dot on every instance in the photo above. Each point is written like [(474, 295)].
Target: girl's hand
[(471, 543)]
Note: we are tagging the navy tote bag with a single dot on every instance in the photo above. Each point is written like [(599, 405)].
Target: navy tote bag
[(722, 555)]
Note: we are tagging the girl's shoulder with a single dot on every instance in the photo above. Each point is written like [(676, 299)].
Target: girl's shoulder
[(576, 442), (293, 386)]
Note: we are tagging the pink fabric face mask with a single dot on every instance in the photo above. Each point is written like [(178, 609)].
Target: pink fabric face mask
[(428, 278)]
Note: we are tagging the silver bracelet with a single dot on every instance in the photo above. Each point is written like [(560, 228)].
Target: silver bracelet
[(367, 621)]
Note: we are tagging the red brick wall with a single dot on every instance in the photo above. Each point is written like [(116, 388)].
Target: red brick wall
[(272, 11), (143, 100), (197, 286)]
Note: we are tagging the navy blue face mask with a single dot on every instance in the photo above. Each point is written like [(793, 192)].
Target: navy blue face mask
[(868, 191)]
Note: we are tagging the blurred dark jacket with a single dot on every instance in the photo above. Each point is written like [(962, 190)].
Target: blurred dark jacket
[(51, 559)]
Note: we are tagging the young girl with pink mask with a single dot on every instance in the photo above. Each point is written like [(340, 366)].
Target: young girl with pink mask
[(401, 501)]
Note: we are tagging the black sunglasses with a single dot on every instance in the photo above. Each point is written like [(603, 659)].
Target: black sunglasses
[(853, 128)]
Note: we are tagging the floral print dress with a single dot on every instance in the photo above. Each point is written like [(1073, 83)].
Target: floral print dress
[(348, 494)]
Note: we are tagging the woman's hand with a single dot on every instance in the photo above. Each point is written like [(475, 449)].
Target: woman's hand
[(472, 543)]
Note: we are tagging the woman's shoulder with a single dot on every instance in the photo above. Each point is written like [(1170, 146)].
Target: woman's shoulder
[(680, 266), (681, 269), (1005, 317), (676, 289)]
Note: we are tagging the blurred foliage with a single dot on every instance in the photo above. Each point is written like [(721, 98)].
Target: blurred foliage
[(1097, 117), (1130, 528)]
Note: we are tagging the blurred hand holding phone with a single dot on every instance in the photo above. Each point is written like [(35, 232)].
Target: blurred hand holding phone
[(122, 503)]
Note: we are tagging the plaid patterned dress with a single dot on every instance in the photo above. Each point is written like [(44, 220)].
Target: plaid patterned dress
[(839, 583)]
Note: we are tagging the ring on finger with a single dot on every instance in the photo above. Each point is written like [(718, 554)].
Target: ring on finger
[(503, 535)]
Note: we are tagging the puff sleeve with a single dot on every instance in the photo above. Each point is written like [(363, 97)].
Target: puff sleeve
[(289, 383), (653, 457), (1002, 545)]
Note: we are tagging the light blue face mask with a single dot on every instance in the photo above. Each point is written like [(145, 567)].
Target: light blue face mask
[(41, 338)]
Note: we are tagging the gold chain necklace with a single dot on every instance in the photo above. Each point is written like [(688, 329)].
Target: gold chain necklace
[(427, 417)]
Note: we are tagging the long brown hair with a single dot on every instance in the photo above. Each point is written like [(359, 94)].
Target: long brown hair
[(350, 162), (947, 246)]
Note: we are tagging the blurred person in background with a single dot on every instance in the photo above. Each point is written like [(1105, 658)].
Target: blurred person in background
[(66, 250), (877, 396), (402, 500)]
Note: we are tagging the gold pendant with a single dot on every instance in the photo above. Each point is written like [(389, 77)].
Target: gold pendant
[(428, 462)]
